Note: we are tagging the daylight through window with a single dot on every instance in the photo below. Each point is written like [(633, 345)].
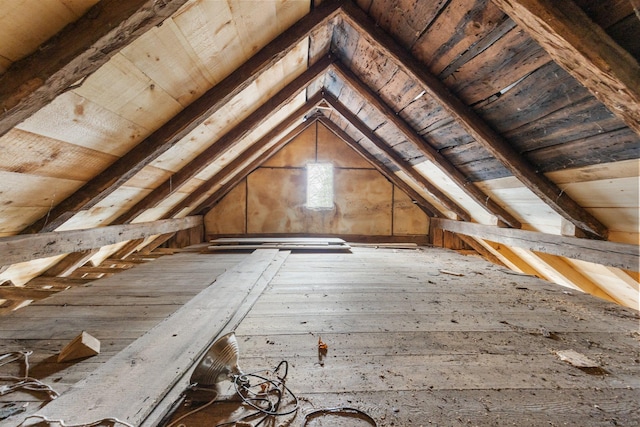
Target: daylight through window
[(320, 186)]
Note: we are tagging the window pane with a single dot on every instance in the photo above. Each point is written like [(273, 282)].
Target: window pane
[(319, 186)]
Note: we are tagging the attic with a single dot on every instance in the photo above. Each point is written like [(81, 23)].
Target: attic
[(484, 172)]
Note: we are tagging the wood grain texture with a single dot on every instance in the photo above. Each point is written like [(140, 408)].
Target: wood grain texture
[(396, 159), (585, 50), (423, 204), (79, 50), (477, 128), (249, 157), (28, 247), (619, 255), (188, 119), (227, 141)]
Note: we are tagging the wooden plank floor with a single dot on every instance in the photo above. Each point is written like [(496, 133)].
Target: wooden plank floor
[(413, 345), (117, 310)]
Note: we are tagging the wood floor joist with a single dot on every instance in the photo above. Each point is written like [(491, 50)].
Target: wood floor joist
[(431, 153), (584, 50), (184, 122), (76, 52), (620, 255), (22, 248), (397, 160), (495, 144)]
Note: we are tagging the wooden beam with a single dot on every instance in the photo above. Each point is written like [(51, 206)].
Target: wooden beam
[(620, 255), (481, 250), (74, 53), (156, 243), (508, 257), (68, 264), (422, 203), (19, 293), (159, 358), (235, 135), (22, 248), (494, 143), (184, 122), (127, 249), (228, 171), (584, 50), (431, 153), (558, 268), (237, 177), (397, 160)]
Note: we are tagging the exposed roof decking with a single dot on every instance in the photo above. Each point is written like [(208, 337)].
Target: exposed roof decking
[(491, 64)]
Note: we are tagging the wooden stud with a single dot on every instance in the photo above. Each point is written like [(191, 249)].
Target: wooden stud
[(156, 243), (22, 293), (585, 50), (483, 251), (474, 125), (68, 264), (127, 249)]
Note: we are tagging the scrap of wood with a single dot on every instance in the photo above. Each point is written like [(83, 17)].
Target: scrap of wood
[(84, 345), (576, 359), (453, 273)]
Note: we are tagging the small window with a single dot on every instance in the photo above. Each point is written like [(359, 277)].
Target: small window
[(320, 186)]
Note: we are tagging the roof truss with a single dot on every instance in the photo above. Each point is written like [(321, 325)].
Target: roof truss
[(321, 21)]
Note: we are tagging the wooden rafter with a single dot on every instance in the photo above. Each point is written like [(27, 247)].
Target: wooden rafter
[(235, 135), (422, 203), (585, 50), (230, 169), (431, 153), (68, 264), (495, 144), (74, 53), (22, 248), (395, 157), (239, 173), (184, 122), (620, 255)]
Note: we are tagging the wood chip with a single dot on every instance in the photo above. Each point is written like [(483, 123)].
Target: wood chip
[(576, 359), (84, 345), (453, 273)]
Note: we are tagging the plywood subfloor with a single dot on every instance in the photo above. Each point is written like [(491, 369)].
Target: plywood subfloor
[(414, 345)]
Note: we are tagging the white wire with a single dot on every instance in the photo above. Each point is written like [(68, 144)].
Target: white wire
[(90, 424), (24, 382), (198, 409)]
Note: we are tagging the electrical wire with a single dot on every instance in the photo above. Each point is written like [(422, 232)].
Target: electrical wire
[(340, 411), (25, 382), (278, 388), (89, 424), (198, 409)]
